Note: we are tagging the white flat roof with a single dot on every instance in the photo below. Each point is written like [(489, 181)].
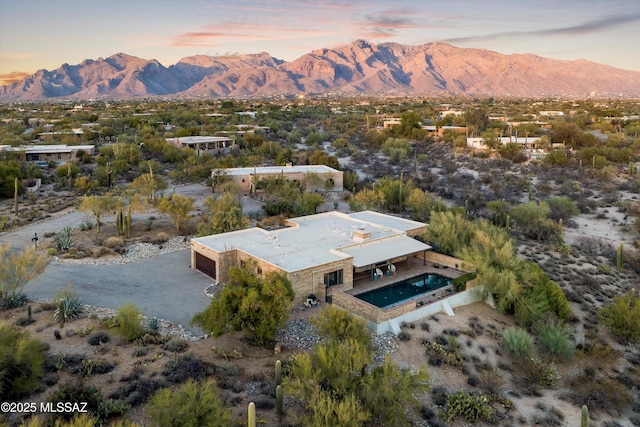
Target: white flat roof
[(320, 239), (188, 140), (40, 149), (270, 170)]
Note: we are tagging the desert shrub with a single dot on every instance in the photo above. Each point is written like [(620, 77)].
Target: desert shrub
[(598, 392), (21, 363), (176, 345), (471, 406), (193, 404), (518, 342), (79, 391), (534, 372), (95, 367), (439, 395), (113, 242), (179, 369), (161, 237), (425, 326), (98, 338), (438, 354), (337, 324), (555, 340), (227, 369), (622, 316), (137, 391), (404, 336), (128, 320)]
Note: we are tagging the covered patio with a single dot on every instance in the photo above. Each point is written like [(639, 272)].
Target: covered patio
[(414, 265)]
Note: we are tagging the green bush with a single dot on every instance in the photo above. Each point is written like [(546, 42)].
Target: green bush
[(337, 324), (555, 340), (194, 404), (535, 372), (622, 317), (79, 391), (460, 283), (129, 322), (518, 342), (21, 361), (471, 406)]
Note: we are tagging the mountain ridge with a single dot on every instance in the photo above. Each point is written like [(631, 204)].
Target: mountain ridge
[(357, 68)]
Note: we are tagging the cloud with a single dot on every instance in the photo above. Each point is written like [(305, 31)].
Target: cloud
[(232, 31), (7, 79), (386, 24), (586, 28)]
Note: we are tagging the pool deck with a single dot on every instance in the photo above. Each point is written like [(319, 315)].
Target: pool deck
[(404, 270)]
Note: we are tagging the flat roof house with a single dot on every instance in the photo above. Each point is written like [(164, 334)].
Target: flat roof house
[(314, 177), (42, 154), (211, 144), (316, 252)]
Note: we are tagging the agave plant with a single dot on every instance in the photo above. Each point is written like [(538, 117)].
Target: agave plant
[(154, 324), (14, 301), (64, 240), (69, 308)]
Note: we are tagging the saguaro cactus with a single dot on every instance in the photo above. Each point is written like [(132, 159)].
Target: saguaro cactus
[(620, 256), (279, 402), (560, 231), (251, 414), (585, 417), (278, 372), (15, 196)]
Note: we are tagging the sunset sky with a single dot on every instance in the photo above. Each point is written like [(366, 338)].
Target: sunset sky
[(36, 34)]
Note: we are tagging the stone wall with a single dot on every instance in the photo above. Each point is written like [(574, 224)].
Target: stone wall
[(303, 282), (449, 261), (369, 311)]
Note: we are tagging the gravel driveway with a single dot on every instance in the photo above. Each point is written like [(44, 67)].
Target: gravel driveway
[(163, 286)]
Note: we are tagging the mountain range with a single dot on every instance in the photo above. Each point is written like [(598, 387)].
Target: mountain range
[(432, 69)]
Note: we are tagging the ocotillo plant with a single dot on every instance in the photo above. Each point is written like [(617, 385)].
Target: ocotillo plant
[(585, 417), (278, 372), (251, 415), (620, 256)]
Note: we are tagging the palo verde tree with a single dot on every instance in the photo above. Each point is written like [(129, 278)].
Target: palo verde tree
[(193, 404), (257, 306), (222, 214), (21, 361), (16, 270), (98, 205), (338, 385), (178, 208)]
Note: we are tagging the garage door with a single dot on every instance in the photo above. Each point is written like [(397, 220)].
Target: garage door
[(206, 265)]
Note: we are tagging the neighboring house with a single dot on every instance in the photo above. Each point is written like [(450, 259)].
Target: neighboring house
[(209, 144), (317, 253), (531, 142), (313, 177), (455, 129), (43, 154), (390, 122)]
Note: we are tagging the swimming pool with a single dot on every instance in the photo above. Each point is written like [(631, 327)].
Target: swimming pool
[(407, 289)]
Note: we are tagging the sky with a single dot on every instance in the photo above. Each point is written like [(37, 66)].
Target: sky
[(44, 34)]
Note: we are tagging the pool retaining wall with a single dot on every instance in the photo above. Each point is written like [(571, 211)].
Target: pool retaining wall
[(381, 320)]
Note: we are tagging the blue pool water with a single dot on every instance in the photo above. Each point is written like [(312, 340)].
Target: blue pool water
[(407, 289)]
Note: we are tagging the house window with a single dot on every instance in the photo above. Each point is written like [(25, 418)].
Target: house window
[(333, 278)]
